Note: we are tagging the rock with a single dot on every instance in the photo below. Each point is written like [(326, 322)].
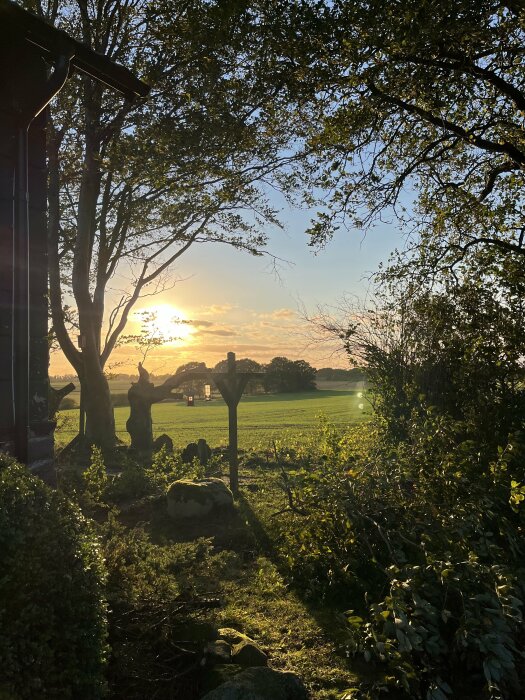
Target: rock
[(233, 636), (190, 452), (247, 653), (216, 675), (192, 499), (204, 451), (260, 684), (163, 441), (197, 450), (218, 652)]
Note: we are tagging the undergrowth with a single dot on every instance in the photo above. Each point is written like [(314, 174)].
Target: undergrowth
[(420, 543)]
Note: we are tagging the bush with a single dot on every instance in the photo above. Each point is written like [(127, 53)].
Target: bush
[(52, 609), (150, 594), (118, 400), (136, 481), (422, 539), (95, 476)]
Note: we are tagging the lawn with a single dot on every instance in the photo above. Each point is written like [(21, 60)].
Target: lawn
[(261, 418)]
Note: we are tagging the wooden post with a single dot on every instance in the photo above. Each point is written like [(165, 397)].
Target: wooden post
[(232, 424), (231, 385)]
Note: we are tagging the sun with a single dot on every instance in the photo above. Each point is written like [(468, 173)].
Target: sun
[(165, 321)]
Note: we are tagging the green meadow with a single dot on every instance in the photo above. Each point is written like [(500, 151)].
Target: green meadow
[(261, 419)]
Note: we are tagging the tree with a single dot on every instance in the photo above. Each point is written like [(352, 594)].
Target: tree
[(194, 386), (283, 375), (456, 349), (133, 186), (330, 374), (245, 364), (423, 101)]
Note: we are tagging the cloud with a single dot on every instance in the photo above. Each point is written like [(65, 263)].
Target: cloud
[(216, 309), (283, 313), (198, 324), (219, 331)]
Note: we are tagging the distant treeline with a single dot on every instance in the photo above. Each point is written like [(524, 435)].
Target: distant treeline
[(329, 374), (280, 375)]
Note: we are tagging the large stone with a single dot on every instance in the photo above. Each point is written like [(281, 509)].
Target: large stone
[(190, 452), (193, 499), (260, 684), (214, 676), (218, 652), (248, 653), (233, 636), (163, 441)]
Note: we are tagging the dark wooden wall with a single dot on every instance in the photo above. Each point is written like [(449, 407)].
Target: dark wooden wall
[(23, 73)]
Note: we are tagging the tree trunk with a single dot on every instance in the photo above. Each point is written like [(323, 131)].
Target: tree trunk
[(100, 420)]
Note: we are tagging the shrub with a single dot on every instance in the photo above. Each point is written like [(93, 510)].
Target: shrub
[(95, 476), (52, 609), (136, 480), (420, 540), (150, 594)]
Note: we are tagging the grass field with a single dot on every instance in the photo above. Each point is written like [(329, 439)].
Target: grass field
[(261, 418)]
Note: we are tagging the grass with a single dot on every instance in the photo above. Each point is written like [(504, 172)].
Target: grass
[(242, 567), (261, 419)]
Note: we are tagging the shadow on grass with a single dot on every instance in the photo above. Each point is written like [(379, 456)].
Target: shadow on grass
[(323, 613)]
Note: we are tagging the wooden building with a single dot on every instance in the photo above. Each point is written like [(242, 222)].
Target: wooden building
[(35, 62)]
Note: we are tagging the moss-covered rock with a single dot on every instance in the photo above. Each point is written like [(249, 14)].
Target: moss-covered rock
[(192, 499), (260, 684), (248, 653)]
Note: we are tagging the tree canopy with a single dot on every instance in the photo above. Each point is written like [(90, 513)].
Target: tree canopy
[(283, 375), (133, 186), (420, 114)]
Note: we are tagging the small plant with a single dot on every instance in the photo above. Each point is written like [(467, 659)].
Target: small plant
[(95, 476)]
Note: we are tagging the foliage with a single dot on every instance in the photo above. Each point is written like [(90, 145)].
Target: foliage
[(95, 476), (151, 594), (283, 375), (330, 374), (138, 480), (139, 182), (456, 346), (195, 386), (420, 540), (422, 101), (52, 606), (245, 364)]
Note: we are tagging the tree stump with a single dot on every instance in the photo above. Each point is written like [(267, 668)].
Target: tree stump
[(141, 396)]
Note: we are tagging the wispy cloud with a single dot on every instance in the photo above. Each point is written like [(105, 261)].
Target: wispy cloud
[(216, 310), (198, 323), (284, 313), (226, 332)]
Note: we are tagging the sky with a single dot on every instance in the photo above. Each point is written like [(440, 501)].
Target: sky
[(231, 301)]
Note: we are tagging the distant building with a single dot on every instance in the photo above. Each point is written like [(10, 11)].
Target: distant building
[(29, 49)]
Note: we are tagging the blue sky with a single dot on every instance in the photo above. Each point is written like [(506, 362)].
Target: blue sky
[(234, 301)]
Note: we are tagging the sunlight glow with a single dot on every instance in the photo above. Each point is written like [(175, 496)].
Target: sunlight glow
[(167, 322)]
